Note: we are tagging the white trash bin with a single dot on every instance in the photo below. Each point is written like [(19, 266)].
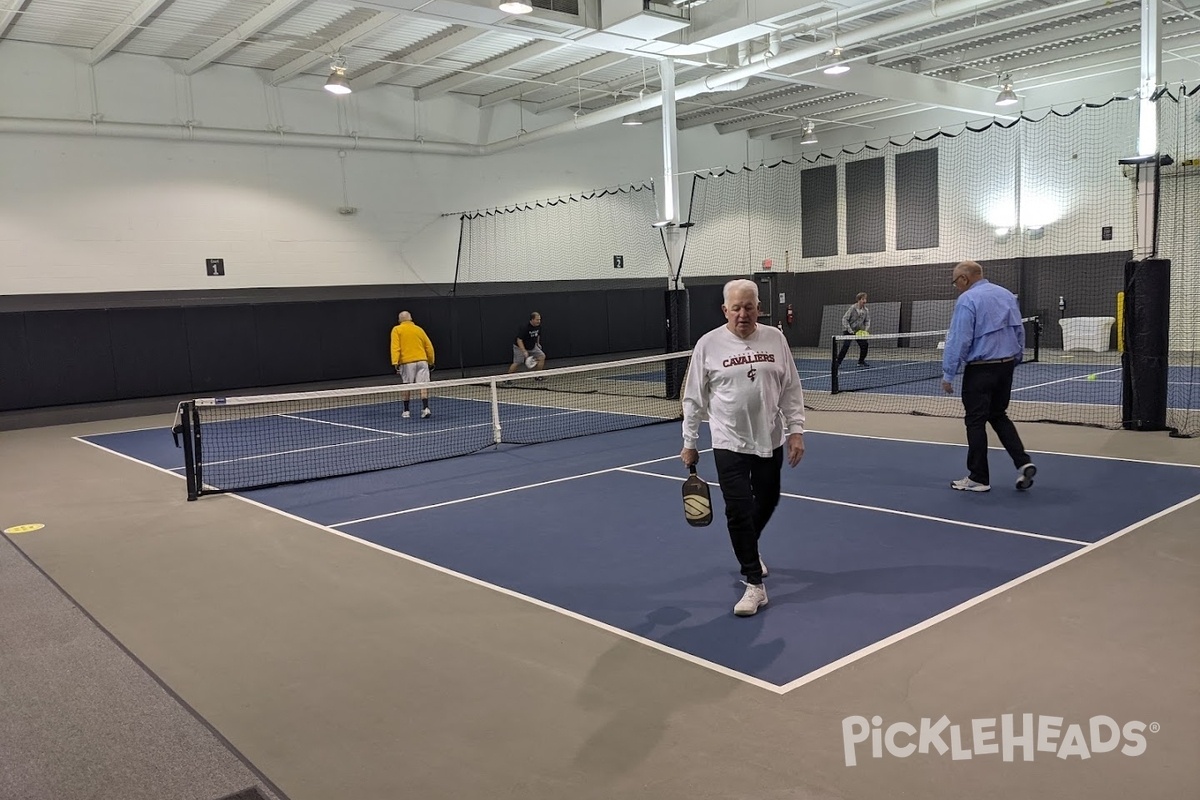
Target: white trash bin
[(1086, 333)]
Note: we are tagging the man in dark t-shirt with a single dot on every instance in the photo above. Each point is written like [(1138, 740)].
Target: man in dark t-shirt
[(527, 349)]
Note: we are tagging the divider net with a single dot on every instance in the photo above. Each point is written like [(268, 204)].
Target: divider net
[(239, 443)]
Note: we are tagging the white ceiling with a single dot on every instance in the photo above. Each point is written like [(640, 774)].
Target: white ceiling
[(907, 58)]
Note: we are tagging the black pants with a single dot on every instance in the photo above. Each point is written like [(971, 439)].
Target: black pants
[(986, 389), (750, 486), (862, 348)]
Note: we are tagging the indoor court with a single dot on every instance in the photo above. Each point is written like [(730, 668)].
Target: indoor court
[(344, 353), (574, 637)]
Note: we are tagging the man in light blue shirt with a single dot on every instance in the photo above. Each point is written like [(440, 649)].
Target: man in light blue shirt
[(986, 340)]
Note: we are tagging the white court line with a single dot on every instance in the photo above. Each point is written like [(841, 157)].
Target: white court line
[(499, 492), (1064, 380), (337, 424), (974, 601), (718, 668), (884, 510), (993, 447)]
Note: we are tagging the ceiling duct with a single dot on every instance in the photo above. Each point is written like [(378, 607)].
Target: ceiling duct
[(747, 55)]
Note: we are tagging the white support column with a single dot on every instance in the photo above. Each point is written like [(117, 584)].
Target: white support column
[(1148, 126), (668, 191), (1151, 70)]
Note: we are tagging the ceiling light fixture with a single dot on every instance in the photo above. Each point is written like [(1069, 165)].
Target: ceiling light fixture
[(516, 7), (630, 119), (337, 83), (810, 137), (838, 66), (1006, 96)]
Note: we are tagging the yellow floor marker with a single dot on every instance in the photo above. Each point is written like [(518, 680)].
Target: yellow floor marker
[(30, 528)]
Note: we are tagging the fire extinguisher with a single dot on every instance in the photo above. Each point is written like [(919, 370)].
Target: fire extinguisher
[(791, 316)]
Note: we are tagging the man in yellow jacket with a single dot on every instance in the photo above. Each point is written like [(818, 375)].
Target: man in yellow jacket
[(412, 356)]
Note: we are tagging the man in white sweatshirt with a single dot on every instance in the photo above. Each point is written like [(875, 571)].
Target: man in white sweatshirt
[(743, 379)]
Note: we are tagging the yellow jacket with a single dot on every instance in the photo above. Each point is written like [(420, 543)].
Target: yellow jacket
[(410, 343)]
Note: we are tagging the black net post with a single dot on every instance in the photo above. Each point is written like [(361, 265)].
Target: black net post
[(833, 365), (679, 338), (1144, 363), (189, 430)]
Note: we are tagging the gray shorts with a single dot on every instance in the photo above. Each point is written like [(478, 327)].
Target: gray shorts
[(414, 372), (519, 357)]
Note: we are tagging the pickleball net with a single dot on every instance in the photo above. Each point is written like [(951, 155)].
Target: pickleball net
[(252, 442), (897, 359)]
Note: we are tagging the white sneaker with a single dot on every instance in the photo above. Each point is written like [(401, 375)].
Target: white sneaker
[(968, 485), (1025, 476), (763, 566), (426, 413), (754, 598), (406, 415)]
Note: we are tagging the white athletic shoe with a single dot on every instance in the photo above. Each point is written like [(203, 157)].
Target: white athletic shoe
[(754, 598), (968, 485), (426, 413), (1025, 476), (406, 415), (763, 566)]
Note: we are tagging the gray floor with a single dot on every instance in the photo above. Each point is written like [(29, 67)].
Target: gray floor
[(343, 672)]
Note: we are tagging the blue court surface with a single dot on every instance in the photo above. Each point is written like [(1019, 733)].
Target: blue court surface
[(868, 542)]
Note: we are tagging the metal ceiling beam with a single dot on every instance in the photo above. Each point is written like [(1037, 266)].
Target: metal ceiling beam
[(485, 69), (238, 35), (857, 112), (122, 31), (945, 11), (772, 100), (8, 13), (390, 69), (617, 86), (1067, 59), (298, 65), (800, 108), (1053, 85), (1029, 65), (966, 56), (709, 109), (549, 80), (872, 81), (949, 39)]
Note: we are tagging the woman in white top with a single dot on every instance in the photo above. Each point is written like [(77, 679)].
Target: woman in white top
[(743, 380)]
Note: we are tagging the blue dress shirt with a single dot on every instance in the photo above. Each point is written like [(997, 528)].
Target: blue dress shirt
[(986, 325)]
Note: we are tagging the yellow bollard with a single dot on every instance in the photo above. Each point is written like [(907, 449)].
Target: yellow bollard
[(1120, 322)]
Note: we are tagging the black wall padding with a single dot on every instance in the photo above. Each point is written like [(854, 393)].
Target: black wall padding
[(222, 347), (14, 365), (917, 199), (1147, 344), (149, 351), (70, 357), (60, 357), (627, 317), (466, 335), (704, 309), (588, 315), (819, 211), (355, 338), (865, 207), (654, 328), (288, 336)]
